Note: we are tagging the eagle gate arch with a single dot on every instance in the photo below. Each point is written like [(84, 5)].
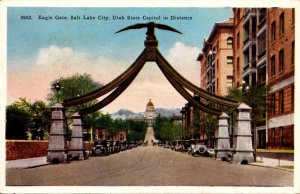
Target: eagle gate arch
[(58, 150)]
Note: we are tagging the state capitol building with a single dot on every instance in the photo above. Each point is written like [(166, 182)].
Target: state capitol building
[(149, 115)]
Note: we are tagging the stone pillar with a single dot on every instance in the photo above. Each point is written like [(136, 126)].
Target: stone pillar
[(77, 149), (57, 149), (242, 142), (222, 150), (151, 46)]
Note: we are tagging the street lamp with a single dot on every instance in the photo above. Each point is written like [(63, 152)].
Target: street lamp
[(57, 86)]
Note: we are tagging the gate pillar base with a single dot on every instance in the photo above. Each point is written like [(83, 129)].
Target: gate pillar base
[(223, 151), (57, 149), (240, 157), (77, 150), (242, 142)]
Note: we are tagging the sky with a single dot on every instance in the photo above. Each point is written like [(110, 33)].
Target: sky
[(40, 51)]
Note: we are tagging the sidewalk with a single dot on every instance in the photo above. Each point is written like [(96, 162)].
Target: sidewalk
[(273, 163), (27, 163)]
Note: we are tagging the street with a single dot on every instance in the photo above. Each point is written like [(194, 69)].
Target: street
[(149, 166)]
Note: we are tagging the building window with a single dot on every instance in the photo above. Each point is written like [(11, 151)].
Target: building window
[(273, 31), (229, 42), (273, 104), (261, 45), (293, 52), (229, 81), (292, 97), (273, 65), (274, 137), (281, 101), (281, 60), (281, 23), (229, 60), (281, 135), (238, 40), (262, 74), (238, 66)]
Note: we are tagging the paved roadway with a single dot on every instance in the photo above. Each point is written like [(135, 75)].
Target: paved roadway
[(149, 166)]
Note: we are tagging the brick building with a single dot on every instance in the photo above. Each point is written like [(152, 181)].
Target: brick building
[(281, 54), (105, 134), (238, 15), (217, 59), (264, 55)]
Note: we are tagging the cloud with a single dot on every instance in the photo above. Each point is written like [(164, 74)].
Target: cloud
[(54, 62), (184, 60)]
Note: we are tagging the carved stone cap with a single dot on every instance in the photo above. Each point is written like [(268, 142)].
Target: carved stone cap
[(244, 106), (224, 116)]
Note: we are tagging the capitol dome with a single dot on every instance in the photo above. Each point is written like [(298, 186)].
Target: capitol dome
[(150, 114), (150, 103)]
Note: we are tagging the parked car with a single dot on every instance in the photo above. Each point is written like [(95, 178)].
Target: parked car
[(161, 143), (173, 144), (123, 146), (110, 146), (179, 147), (202, 150), (116, 146), (167, 145), (100, 148), (132, 144)]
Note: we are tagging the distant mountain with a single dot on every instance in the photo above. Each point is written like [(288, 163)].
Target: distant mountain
[(167, 112), (126, 114)]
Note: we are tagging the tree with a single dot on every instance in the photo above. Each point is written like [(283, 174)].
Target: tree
[(136, 130), (166, 130), (256, 98), (40, 120), (39, 117), (72, 87), (17, 121)]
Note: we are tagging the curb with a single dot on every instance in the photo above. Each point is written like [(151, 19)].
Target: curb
[(252, 164), (25, 167)]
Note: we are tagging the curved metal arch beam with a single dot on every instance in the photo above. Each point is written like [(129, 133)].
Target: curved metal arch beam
[(107, 100), (140, 61), (199, 91), (186, 95)]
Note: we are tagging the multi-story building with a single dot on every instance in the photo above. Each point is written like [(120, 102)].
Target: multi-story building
[(217, 59), (249, 46), (281, 54), (238, 33), (266, 37)]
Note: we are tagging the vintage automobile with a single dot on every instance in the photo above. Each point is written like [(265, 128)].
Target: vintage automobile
[(179, 147), (202, 150), (161, 144), (123, 146), (116, 146), (100, 148), (167, 145), (173, 144), (110, 146)]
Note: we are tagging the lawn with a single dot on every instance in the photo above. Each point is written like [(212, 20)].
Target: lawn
[(275, 151), (286, 167)]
